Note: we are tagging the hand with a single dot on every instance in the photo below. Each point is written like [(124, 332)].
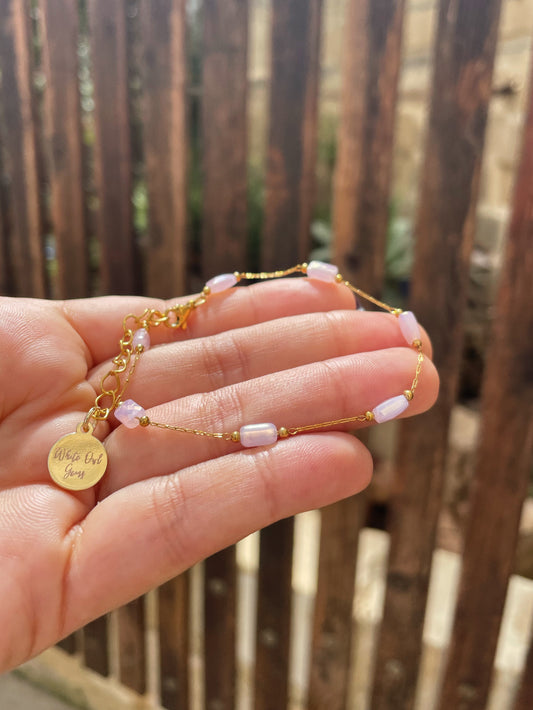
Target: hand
[(291, 352)]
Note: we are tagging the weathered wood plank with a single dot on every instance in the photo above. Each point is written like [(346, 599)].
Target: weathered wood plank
[(165, 145), (95, 649), (174, 642), (332, 629), (224, 135), (220, 634), (274, 616), (373, 43), (524, 698), (292, 134), (466, 38), (503, 464), (112, 154), (132, 652), (60, 27), (24, 242)]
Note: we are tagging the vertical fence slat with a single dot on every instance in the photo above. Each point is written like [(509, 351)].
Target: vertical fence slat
[(165, 145), (224, 145), (274, 616), (292, 136), (132, 653), (224, 135), (63, 133), (363, 174), (174, 643), (332, 631), (362, 186), (466, 38), (220, 633), (524, 698), (503, 462), (107, 23), (95, 649), (25, 236)]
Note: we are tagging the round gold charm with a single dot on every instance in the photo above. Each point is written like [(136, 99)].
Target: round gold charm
[(77, 461)]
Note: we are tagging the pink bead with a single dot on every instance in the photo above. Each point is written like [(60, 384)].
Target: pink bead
[(141, 337), (409, 326), (258, 434), (322, 271), (390, 408), (221, 282), (129, 413)]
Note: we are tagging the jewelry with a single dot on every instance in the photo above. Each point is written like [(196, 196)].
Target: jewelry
[(78, 461)]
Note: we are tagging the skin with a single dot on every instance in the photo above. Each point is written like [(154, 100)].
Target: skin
[(291, 352)]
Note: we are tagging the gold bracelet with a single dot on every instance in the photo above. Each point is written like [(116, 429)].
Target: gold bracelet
[(78, 461)]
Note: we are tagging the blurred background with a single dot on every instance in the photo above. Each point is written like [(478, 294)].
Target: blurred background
[(146, 146)]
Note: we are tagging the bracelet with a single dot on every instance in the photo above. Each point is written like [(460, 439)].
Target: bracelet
[(78, 461)]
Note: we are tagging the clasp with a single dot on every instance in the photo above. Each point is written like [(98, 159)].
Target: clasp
[(178, 315)]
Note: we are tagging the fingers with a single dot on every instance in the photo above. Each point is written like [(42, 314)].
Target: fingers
[(99, 320), (205, 364), (162, 526), (320, 391)]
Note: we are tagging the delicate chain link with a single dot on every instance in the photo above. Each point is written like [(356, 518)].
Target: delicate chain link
[(113, 385)]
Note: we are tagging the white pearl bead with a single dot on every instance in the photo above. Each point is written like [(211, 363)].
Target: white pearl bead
[(222, 282), (321, 271), (409, 326), (141, 337), (258, 434), (390, 408)]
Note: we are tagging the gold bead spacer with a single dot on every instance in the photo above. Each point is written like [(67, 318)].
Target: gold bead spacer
[(408, 394), (139, 348), (283, 432), (369, 416), (237, 275), (144, 420), (417, 343), (397, 312), (303, 268), (235, 436), (339, 278), (206, 290)]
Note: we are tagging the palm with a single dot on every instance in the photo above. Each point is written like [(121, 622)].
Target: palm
[(66, 560)]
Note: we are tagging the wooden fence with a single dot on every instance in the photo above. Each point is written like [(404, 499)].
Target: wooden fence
[(146, 130)]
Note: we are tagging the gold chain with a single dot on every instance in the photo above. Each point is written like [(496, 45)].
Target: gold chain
[(113, 384)]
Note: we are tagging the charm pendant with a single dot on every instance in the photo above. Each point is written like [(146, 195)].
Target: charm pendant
[(77, 461)]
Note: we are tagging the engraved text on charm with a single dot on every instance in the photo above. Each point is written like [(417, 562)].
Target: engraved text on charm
[(77, 461)]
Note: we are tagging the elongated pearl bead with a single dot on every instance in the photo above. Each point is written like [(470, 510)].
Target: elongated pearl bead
[(390, 408), (129, 413), (322, 271), (409, 326), (141, 337), (258, 434), (222, 282)]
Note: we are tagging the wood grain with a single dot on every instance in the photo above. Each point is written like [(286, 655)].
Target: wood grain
[(24, 239), (132, 652), (332, 627), (503, 465), (274, 616), (224, 135), (174, 643), (220, 633), (112, 158), (60, 27), (466, 38), (524, 698), (292, 135), (373, 41), (95, 649), (165, 145)]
